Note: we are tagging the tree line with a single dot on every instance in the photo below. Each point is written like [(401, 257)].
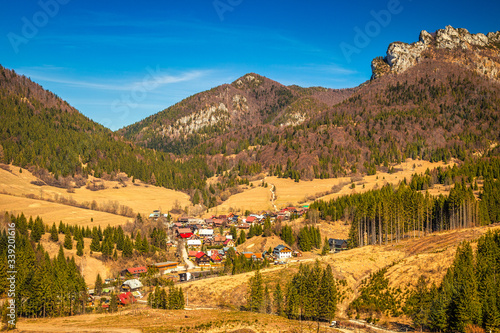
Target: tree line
[(45, 287), (311, 294), (393, 212), (469, 295)]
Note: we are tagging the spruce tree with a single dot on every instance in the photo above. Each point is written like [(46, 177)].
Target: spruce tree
[(113, 303), (144, 245), (327, 296), (138, 242), (54, 235), (68, 243), (95, 245), (242, 239), (128, 249), (98, 285), (326, 247), (268, 304), (278, 300), (79, 247), (256, 293)]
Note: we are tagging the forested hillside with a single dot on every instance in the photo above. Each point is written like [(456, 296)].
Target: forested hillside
[(39, 130), (436, 110), (391, 214), (250, 103)]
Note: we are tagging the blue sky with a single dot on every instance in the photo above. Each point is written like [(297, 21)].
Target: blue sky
[(121, 61)]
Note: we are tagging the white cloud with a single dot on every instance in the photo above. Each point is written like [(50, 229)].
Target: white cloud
[(154, 77)]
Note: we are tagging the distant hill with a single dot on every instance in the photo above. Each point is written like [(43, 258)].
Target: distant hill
[(434, 99), (43, 132), (251, 102)]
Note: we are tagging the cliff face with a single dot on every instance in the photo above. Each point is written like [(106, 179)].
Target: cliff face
[(477, 52)]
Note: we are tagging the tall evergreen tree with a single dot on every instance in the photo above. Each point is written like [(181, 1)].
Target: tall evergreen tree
[(98, 284), (256, 293), (68, 242), (54, 235), (278, 300)]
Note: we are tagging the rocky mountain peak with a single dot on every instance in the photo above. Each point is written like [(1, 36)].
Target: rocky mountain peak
[(402, 56)]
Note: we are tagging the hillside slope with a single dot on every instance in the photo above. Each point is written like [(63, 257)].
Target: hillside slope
[(40, 130), (250, 102), (434, 100)]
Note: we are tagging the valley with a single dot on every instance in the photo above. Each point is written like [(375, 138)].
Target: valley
[(256, 206)]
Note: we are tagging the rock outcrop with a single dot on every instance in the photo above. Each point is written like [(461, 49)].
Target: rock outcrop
[(485, 51)]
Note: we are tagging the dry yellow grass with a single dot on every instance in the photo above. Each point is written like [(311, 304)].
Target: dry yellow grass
[(92, 265), (429, 256), (54, 212), (289, 192), (140, 319), (141, 198), (255, 199)]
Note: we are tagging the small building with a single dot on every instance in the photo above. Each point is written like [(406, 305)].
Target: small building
[(244, 226), (202, 259), (253, 256), (166, 266), (337, 244), (219, 240), (194, 242), (218, 223), (229, 243), (183, 219), (156, 214), (250, 219), (134, 271), (282, 251), (132, 285), (206, 232), (185, 277), (192, 254), (126, 298), (215, 258), (184, 231)]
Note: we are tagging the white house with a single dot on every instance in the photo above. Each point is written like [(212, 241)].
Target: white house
[(132, 285), (194, 242), (282, 251), (206, 232)]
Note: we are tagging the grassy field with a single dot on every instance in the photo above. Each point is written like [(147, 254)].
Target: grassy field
[(139, 197), (140, 319), (288, 192), (429, 256), (55, 212)]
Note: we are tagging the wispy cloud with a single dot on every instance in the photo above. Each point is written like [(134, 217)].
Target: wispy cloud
[(158, 76)]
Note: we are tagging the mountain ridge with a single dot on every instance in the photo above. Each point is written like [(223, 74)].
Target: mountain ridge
[(246, 102)]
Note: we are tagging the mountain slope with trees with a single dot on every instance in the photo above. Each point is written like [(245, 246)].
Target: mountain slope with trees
[(438, 108), (41, 131)]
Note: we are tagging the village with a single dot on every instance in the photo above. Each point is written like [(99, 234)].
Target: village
[(204, 246)]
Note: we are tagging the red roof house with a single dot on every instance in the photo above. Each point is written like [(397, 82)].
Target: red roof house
[(202, 259), (126, 298), (251, 219)]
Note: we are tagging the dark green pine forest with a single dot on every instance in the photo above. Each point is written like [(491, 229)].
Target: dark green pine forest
[(392, 213), (44, 286), (40, 130), (469, 295)]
